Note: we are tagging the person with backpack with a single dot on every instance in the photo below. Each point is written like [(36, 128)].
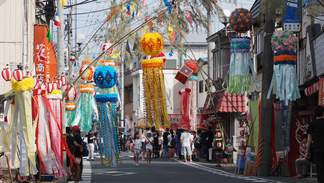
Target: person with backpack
[(165, 144), (171, 143)]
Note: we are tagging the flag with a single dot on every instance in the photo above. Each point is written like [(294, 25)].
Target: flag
[(49, 35), (63, 2), (56, 20)]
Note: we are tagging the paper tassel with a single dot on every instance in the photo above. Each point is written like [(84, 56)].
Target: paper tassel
[(188, 17)]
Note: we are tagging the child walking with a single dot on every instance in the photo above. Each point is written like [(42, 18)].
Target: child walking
[(149, 148), (137, 148)]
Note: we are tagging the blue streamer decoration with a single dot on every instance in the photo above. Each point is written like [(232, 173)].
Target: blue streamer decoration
[(167, 4)]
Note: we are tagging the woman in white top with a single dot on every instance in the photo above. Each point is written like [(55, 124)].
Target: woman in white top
[(171, 143), (137, 148), (149, 148)]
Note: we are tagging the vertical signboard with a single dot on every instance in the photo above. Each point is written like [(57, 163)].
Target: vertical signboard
[(44, 55), (321, 92), (292, 16)]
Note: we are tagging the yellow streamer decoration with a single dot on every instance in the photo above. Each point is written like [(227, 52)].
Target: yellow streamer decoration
[(154, 92)]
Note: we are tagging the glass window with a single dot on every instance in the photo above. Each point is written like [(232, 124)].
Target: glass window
[(170, 64), (201, 86)]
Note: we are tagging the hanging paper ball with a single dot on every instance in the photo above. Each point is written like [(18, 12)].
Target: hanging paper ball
[(18, 74), (241, 123), (6, 74), (55, 86), (160, 56), (283, 41), (28, 73), (105, 77), (105, 47), (152, 43), (219, 144), (50, 87), (218, 134), (88, 74), (86, 62), (216, 125), (192, 65), (71, 95), (35, 81), (242, 133), (64, 80), (241, 20)]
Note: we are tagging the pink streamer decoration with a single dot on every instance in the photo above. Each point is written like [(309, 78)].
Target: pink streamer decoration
[(185, 102), (144, 2), (188, 17), (193, 104)]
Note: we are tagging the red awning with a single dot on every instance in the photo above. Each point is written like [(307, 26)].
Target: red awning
[(224, 102)]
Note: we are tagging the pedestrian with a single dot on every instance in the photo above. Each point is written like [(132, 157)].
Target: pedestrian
[(171, 143), (198, 144), (69, 140), (143, 145), (78, 149), (228, 151), (315, 134), (137, 148), (156, 142), (178, 144), (203, 144), (165, 144), (160, 143), (121, 141), (91, 137), (186, 140), (303, 161), (209, 141), (149, 141)]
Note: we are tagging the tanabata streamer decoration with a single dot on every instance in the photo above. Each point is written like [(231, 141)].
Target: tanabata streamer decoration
[(153, 81), (284, 45), (70, 106), (192, 84), (105, 78), (86, 108), (22, 129), (185, 104), (240, 63)]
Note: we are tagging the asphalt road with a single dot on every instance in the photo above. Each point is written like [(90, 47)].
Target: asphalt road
[(163, 170)]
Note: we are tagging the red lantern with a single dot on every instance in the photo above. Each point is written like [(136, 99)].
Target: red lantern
[(71, 95), (241, 123), (219, 144), (28, 73), (35, 81), (50, 87), (94, 94), (105, 47), (6, 74), (55, 86), (18, 74), (216, 125), (218, 134), (59, 84), (242, 143), (160, 56), (64, 80), (242, 133)]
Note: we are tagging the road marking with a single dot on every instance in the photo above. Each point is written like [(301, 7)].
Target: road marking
[(86, 173), (227, 174), (117, 173)]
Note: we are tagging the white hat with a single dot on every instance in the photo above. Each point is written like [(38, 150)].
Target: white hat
[(149, 132)]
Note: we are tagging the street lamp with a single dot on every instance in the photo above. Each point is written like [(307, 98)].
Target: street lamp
[(80, 40), (223, 17)]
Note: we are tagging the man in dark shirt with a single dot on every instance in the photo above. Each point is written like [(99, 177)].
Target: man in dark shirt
[(203, 136), (209, 141), (165, 143), (316, 134), (69, 140), (90, 146), (77, 151)]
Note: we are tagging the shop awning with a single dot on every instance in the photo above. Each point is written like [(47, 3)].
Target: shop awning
[(224, 103)]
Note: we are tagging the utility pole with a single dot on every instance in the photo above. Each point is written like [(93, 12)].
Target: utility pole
[(210, 45), (60, 68), (69, 42), (266, 104)]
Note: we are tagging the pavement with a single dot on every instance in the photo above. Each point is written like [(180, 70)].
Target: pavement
[(163, 170)]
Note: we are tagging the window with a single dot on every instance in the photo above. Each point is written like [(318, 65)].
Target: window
[(135, 67), (260, 42), (170, 64), (201, 86)]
